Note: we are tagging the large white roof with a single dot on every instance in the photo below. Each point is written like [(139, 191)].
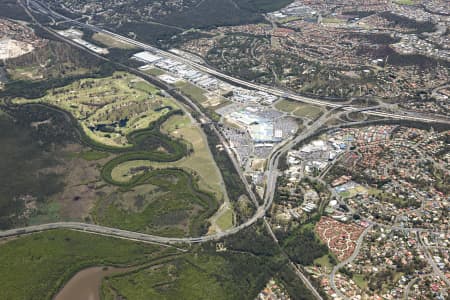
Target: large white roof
[(147, 57)]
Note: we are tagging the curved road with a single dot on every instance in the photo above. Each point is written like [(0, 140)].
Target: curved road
[(272, 163), (260, 212), (403, 115), (347, 261)]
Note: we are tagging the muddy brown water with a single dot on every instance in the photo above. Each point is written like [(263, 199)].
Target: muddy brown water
[(86, 284)]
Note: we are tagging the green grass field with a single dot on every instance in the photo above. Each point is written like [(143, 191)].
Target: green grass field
[(374, 191), (287, 105), (356, 116), (398, 276), (24, 73), (35, 266), (48, 212), (165, 206), (192, 91), (109, 108), (144, 87), (93, 155), (299, 109), (36, 72), (324, 262), (350, 193), (308, 111), (406, 2), (155, 72), (360, 281), (176, 123), (111, 42), (199, 161), (225, 221)]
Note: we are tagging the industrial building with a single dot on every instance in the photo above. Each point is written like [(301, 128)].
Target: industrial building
[(261, 130), (146, 57)]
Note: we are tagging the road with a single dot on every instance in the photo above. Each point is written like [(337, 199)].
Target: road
[(412, 116), (92, 228), (113, 232), (272, 170), (186, 99), (271, 186), (272, 180), (431, 262), (347, 261), (273, 161)]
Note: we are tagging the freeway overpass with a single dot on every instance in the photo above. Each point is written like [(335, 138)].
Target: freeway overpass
[(272, 165), (273, 160), (42, 8)]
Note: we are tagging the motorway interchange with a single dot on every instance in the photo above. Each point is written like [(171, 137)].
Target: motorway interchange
[(271, 169), (273, 160)]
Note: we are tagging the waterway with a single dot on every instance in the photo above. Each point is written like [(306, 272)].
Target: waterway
[(3, 76), (86, 284)]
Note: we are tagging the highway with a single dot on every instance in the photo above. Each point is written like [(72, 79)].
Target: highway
[(42, 8), (272, 175), (114, 232), (272, 166), (98, 229)]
